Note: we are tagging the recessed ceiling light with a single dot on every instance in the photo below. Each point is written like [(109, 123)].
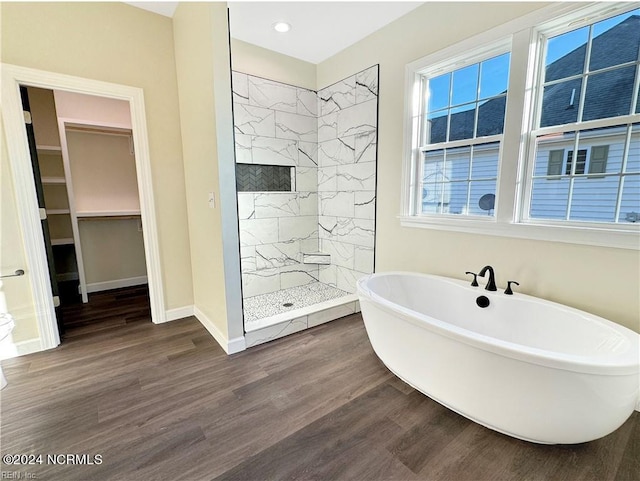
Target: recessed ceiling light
[(281, 27)]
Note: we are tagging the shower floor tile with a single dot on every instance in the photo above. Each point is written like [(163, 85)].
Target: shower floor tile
[(285, 300)]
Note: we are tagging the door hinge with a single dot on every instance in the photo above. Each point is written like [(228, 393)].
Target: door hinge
[(43, 213), (27, 117), (56, 301)]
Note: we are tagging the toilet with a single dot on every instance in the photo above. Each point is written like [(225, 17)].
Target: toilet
[(6, 326)]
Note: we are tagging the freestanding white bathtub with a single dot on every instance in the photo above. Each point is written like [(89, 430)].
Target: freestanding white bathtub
[(523, 366)]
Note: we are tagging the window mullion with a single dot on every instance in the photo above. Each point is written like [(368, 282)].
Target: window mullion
[(462, 143), (444, 171), (517, 123), (469, 176), (572, 173), (623, 169), (588, 125), (477, 102), (585, 79), (636, 88), (447, 133)]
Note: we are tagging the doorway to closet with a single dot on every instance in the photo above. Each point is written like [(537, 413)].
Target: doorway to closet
[(84, 165)]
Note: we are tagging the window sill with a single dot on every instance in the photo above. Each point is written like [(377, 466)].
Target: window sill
[(593, 235)]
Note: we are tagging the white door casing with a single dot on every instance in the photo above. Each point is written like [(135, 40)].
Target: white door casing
[(28, 214)]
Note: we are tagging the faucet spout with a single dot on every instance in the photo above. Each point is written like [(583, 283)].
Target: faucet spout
[(491, 283)]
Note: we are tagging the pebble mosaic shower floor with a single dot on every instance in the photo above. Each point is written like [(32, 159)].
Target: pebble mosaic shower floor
[(267, 305)]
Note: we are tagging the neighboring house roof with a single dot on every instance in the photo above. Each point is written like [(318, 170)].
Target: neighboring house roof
[(617, 45)]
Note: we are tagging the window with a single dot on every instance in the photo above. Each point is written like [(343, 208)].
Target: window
[(581, 161), (597, 161), (588, 95), (494, 151), (464, 113)]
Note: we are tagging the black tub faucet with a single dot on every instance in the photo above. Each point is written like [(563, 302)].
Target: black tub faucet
[(508, 291), (491, 283)]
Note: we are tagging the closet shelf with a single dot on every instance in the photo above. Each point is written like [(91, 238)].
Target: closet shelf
[(67, 276), (53, 180), (62, 241), (88, 215), (58, 211), (49, 149)]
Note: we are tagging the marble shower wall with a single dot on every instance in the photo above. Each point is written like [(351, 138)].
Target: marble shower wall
[(330, 139), (347, 127), (277, 124)]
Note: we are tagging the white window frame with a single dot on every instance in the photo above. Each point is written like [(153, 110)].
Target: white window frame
[(450, 65), (512, 190)]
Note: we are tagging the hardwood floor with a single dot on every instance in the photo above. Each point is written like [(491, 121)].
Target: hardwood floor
[(106, 310), (164, 402)]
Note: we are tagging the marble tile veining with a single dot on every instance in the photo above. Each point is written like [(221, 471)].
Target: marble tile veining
[(339, 204), (246, 205), (358, 119), (338, 96), (278, 255), (367, 84), (258, 231), (243, 149), (365, 205), (328, 127), (336, 152), (272, 95), (356, 177), (296, 127), (276, 204), (308, 154), (365, 147), (254, 120), (307, 102), (270, 151), (240, 87), (342, 254)]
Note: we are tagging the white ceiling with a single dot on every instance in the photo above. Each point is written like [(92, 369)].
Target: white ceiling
[(318, 29)]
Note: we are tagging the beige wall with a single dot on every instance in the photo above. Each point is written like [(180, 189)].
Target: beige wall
[(258, 61), (202, 64), (118, 43), (604, 281)]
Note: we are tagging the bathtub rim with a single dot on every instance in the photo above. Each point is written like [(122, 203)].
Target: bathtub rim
[(615, 364)]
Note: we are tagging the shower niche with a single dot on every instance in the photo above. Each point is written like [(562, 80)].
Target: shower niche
[(306, 186)]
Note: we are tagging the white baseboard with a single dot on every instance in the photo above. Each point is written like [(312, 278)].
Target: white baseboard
[(230, 346), (10, 349), (116, 284), (178, 313)]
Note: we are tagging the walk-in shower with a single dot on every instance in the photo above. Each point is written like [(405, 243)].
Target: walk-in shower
[(306, 182)]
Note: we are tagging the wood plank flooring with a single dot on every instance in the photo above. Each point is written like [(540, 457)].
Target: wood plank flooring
[(106, 310), (164, 402)]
